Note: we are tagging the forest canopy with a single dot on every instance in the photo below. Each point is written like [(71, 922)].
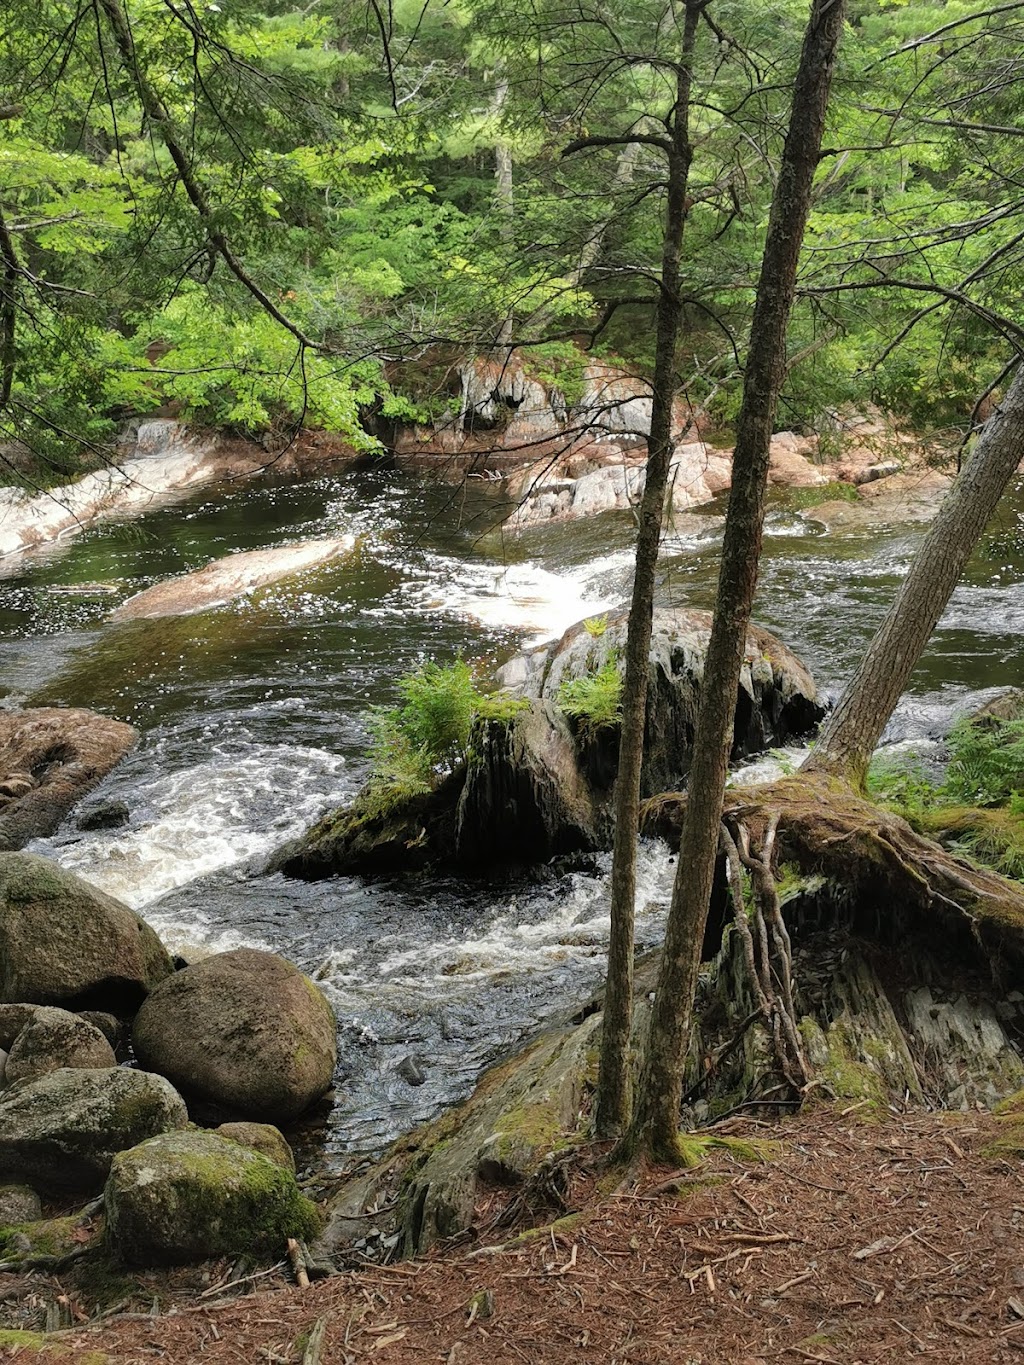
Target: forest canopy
[(258, 216)]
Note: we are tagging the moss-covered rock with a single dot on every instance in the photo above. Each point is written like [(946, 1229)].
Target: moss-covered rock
[(63, 942), (61, 1132), (40, 1237), (188, 1196), (52, 1039), (260, 1137), (538, 784), (243, 1030)]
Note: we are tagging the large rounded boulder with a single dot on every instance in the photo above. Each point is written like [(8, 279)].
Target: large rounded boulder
[(243, 1030), (191, 1196), (62, 1131), (63, 942), (539, 778)]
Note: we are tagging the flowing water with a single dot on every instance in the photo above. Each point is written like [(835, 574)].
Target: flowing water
[(254, 722)]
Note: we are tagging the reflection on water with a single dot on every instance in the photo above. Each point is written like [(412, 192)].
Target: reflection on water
[(253, 723)]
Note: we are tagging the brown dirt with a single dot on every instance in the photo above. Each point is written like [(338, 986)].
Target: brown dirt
[(854, 1242)]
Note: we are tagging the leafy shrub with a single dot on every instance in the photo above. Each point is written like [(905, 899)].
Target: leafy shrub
[(426, 738), (594, 701), (437, 715), (902, 783)]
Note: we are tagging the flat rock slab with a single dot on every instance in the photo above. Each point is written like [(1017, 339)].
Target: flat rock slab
[(224, 580), (899, 498), (49, 758)]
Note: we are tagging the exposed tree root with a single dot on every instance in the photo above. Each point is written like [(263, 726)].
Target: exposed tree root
[(769, 955), (895, 882)]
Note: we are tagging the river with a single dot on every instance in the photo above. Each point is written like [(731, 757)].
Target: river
[(253, 721)]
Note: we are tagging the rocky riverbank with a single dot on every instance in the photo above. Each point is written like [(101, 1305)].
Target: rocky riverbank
[(240, 1039)]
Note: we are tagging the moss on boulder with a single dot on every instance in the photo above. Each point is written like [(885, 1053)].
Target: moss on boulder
[(61, 1132), (185, 1197), (260, 1137), (63, 942)]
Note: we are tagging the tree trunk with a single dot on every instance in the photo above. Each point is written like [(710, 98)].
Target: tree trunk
[(853, 730), (655, 1124), (613, 1090), (503, 192)]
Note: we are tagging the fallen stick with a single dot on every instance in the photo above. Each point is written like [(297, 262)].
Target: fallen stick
[(298, 1263)]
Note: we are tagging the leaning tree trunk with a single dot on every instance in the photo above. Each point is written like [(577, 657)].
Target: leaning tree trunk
[(655, 1123), (854, 728), (613, 1089)]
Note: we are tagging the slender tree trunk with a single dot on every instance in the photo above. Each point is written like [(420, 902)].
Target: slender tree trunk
[(613, 1089), (854, 728), (656, 1120), (503, 192), (8, 312)]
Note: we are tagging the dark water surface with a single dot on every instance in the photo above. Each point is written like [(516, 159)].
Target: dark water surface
[(253, 720)]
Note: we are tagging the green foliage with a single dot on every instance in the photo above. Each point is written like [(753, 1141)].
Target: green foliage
[(437, 714), (978, 808), (987, 762), (595, 626), (559, 365), (594, 701), (426, 738), (836, 491), (902, 783)]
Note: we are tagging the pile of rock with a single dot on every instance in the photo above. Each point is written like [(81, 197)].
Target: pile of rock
[(241, 1035)]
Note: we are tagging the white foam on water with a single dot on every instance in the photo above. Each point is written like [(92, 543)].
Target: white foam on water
[(538, 603), (769, 767), (204, 818), (574, 931)]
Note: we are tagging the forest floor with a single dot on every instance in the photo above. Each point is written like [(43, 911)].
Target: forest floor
[(853, 1241)]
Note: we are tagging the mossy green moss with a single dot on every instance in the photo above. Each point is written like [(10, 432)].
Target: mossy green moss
[(46, 1237), (1009, 1141), (14, 1339), (187, 1196), (993, 837)]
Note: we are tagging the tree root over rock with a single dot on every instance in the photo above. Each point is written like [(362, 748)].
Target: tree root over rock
[(892, 882)]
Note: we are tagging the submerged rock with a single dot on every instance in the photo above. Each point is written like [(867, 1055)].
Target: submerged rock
[(106, 815), (188, 1196), (225, 579), (61, 1132), (64, 942), (49, 758), (243, 1030), (538, 785)]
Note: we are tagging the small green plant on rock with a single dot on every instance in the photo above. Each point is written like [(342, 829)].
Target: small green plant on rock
[(594, 701), (415, 745)]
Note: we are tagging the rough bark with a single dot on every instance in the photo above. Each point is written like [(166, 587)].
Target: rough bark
[(655, 1122), (613, 1094), (852, 732)]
